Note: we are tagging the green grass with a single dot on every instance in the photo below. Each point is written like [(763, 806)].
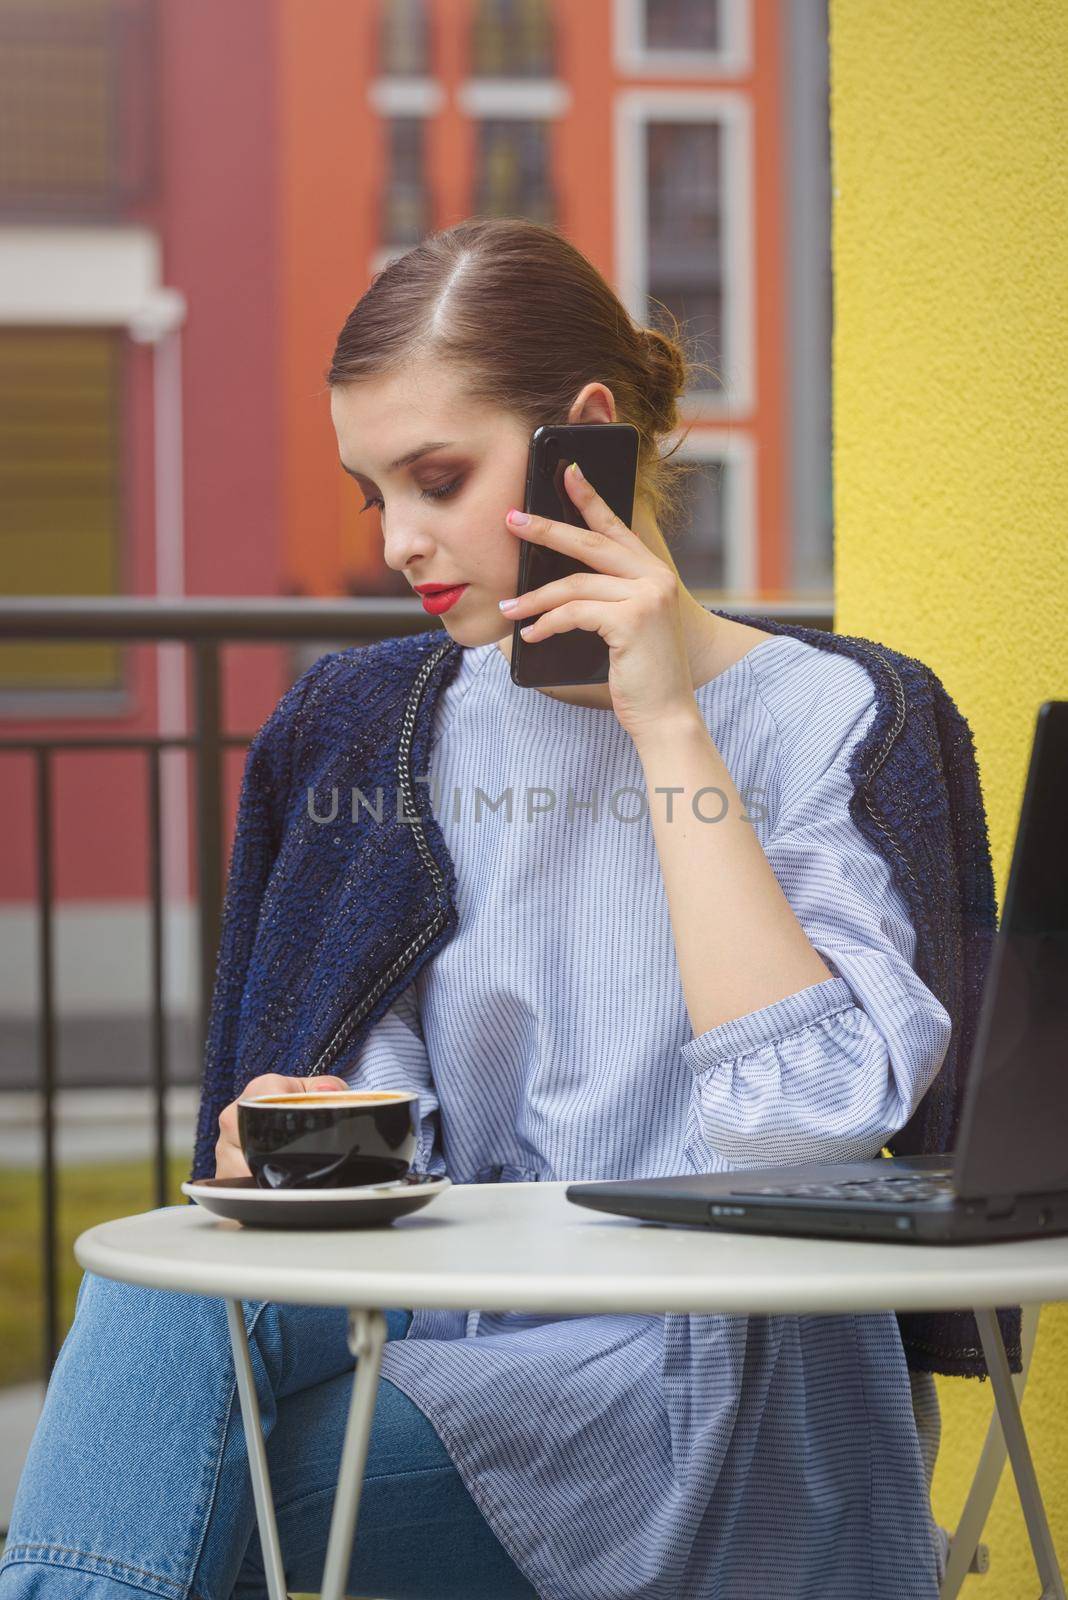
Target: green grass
[(84, 1195)]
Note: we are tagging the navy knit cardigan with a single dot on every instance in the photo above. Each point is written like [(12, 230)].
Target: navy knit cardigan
[(325, 924)]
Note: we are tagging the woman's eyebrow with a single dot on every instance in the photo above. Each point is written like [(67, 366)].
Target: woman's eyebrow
[(406, 460)]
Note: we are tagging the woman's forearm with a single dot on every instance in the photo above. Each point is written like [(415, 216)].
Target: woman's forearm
[(738, 943)]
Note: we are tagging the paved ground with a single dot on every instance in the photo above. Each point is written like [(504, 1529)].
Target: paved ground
[(97, 1052), (94, 1125)]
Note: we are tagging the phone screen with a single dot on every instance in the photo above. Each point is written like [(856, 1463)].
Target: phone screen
[(607, 452)]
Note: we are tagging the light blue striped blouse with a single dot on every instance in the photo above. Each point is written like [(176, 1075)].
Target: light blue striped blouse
[(667, 1457)]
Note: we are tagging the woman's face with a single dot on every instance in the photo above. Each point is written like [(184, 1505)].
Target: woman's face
[(442, 514)]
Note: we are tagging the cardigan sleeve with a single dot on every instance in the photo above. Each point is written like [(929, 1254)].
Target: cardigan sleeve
[(831, 1072), (393, 1055), (257, 836)]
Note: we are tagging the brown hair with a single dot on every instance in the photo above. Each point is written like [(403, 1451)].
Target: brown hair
[(532, 321)]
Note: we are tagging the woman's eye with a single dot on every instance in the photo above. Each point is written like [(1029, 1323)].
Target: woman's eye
[(442, 492)]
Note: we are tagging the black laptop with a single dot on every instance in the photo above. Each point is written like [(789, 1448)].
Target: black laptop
[(1008, 1177)]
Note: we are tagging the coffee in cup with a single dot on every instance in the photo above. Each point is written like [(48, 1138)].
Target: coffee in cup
[(330, 1138)]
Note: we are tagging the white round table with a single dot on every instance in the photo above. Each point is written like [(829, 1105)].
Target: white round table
[(525, 1247)]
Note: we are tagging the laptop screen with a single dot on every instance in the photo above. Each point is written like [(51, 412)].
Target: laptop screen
[(1015, 1113)]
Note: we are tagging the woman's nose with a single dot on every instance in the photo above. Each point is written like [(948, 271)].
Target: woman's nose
[(401, 544)]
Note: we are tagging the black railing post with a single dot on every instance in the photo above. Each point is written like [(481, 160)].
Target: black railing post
[(159, 1030), (208, 727), (47, 1057)]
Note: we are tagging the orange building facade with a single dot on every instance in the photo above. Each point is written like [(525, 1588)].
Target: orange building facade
[(657, 135)]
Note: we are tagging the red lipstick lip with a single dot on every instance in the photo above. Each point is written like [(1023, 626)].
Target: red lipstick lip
[(436, 602), (435, 588)]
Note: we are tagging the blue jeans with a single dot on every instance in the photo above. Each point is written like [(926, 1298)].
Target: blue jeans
[(137, 1477)]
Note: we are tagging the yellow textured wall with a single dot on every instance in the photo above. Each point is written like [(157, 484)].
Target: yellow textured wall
[(949, 141)]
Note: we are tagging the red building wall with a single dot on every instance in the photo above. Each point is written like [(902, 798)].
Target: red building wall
[(216, 210)]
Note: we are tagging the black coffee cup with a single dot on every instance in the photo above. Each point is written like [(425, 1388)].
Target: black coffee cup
[(328, 1138)]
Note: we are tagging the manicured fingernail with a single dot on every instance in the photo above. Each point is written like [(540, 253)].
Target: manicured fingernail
[(578, 472), (518, 518), (528, 629), (506, 605)]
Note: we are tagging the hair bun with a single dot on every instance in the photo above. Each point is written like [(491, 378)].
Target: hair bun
[(667, 375)]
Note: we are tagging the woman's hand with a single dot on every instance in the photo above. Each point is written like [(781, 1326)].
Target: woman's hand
[(229, 1160), (631, 600)]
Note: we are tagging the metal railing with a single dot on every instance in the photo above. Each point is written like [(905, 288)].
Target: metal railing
[(205, 626)]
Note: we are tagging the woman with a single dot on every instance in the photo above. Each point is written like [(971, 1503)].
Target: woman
[(604, 990)]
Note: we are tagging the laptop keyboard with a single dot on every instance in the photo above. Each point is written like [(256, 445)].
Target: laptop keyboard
[(893, 1189)]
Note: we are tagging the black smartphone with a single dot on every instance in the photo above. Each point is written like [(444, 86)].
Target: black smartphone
[(607, 453)]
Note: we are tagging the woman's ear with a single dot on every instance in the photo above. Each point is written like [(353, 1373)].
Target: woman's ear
[(595, 402)]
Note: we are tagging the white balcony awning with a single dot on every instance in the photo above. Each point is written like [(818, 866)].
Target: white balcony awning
[(87, 277)]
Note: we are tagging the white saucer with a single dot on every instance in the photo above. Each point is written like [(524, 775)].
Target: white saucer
[(371, 1205)]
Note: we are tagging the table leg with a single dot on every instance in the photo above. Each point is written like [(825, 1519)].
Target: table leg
[(966, 1553), (367, 1335), (257, 1454), (997, 1365)]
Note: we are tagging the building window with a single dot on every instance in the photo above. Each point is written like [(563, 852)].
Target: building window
[(404, 39), (682, 38), (512, 171), (79, 97), (681, 25), (698, 548), (683, 187), (405, 217), (683, 223), (512, 39), (712, 537), (61, 491)]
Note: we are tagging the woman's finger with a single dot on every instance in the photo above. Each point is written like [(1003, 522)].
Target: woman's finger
[(230, 1161), (271, 1083), (581, 614), (229, 1157), (596, 513), (576, 586), (604, 552)]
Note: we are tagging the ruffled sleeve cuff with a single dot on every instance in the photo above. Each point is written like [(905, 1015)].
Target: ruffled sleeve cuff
[(743, 1035)]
